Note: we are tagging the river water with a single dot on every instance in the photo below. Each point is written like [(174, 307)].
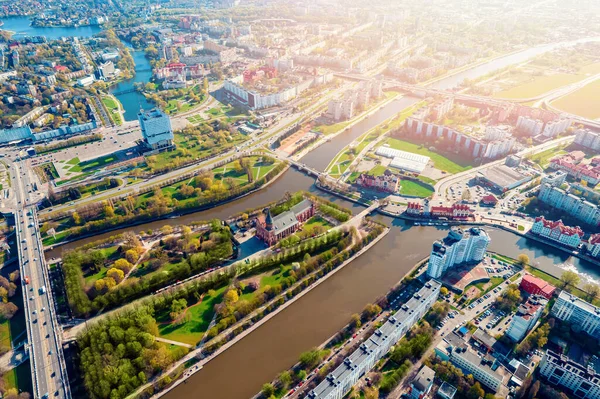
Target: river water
[(322, 312), (21, 26), (133, 100)]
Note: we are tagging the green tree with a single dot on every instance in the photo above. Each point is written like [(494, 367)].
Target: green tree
[(592, 291), (569, 279), (268, 389), (285, 378), (476, 391), (310, 359)]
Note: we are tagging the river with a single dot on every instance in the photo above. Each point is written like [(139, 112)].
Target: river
[(322, 312), (133, 100), (22, 27)]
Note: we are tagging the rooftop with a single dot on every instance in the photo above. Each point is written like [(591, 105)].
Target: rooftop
[(502, 175), (424, 379)]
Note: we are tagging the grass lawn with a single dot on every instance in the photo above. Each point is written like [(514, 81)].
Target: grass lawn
[(440, 162), (109, 253), (584, 102), (543, 158), (378, 170), (197, 320), (19, 378), (537, 85), (413, 188), (113, 108), (316, 221)]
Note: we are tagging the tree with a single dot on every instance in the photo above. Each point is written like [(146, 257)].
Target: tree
[(285, 378), (268, 389), (310, 359), (115, 274), (131, 255), (569, 279), (534, 389), (178, 306), (522, 260), (123, 264), (592, 291), (443, 291), (355, 321), (476, 391), (371, 310), (230, 297), (76, 218), (166, 230)]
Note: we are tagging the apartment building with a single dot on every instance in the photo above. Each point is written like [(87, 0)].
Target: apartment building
[(458, 247), (529, 126), (583, 380), (557, 231), (593, 245), (527, 315), (587, 138), (570, 203), (339, 382), (578, 313)]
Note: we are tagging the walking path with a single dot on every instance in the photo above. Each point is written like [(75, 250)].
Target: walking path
[(168, 341)]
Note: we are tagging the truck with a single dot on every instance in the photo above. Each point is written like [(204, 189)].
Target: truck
[(42, 290)]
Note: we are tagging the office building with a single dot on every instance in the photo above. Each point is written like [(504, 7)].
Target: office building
[(527, 315), (106, 70), (536, 286), (572, 204), (156, 130), (583, 380), (578, 313), (458, 247), (339, 382), (422, 383)]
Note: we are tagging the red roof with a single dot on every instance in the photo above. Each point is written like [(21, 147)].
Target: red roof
[(566, 230), (489, 199), (542, 285), (595, 239), (60, 68)]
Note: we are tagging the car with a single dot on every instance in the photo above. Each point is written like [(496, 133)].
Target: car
[(34, 312), (43, 308), (50, 352)]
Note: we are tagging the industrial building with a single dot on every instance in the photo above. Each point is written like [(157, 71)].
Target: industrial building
[(503, 178), (403, 160), (340, 381)]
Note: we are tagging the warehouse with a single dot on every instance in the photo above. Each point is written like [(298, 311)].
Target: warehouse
[(404, 160), (503, 178)]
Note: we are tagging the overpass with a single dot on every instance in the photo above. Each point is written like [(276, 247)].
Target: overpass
[(44, 345)]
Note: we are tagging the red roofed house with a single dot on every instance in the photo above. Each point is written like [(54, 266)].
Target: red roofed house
[(387, 182), (489, 200), (557, 231), (593, 245), (567, 163), (454, 211), (60, 68), (537, 286)]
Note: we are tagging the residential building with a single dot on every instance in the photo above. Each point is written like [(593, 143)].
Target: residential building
[(272, 229), (557, 231), (156, 130), (526, 316), (457, 248), (556, 127), (573, 205), (85, 81), (555, 179), (585, 172), (484, 368), (587, 138), (536, 286), (15, 58), (441, 210), (529, 126), (593, 245), (334, 109), (583, 380), (493, 132), (439, 110), (579, 313), (489, 200), (446, 391), (387, 182), (339, 382), (422, 383)]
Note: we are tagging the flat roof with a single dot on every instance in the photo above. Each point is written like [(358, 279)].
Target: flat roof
[(502, 175)]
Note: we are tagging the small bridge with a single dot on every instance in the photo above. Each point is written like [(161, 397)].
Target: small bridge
[(118, 93), (303, 168)]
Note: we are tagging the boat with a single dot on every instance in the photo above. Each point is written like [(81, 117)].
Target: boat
[(417, 224)]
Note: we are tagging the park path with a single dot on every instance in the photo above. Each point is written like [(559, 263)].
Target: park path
[(181, 316), (168, 341)]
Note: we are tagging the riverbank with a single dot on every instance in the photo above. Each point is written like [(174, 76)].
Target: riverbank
[(171, 215)]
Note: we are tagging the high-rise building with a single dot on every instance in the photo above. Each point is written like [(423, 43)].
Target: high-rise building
[(458, 247), (581, 379), (572, 204), (587, 138), (579, 313), (526, 317), (156, 130)]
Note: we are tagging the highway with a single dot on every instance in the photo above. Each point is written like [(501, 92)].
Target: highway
[(48, 368)]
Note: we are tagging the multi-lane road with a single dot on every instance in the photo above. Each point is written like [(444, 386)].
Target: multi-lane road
[(43, 331)]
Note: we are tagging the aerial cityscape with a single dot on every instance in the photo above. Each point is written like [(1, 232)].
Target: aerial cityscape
[(272, 199)]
